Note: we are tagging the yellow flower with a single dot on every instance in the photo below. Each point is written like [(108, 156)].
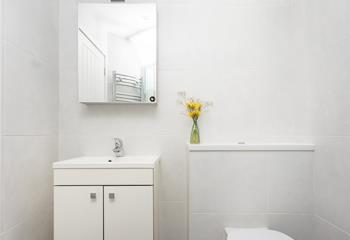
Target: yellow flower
[(194, 107), (194, 114), (190, 105), (198, 106)]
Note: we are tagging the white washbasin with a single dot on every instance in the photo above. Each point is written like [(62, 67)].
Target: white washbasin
[(108, 162)]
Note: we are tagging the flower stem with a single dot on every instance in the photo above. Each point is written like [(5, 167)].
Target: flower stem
[(195, 138)]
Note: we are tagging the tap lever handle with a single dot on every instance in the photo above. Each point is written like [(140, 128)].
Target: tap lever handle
[(118, 142), (118, 148)]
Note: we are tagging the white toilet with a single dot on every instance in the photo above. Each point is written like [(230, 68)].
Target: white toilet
[(254, 234)]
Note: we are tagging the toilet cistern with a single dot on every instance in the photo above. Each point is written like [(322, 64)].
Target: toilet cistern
[(118, 147)]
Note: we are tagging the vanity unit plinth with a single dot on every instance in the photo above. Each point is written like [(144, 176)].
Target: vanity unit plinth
[(95, 199)]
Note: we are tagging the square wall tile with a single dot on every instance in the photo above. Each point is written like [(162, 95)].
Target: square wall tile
[(1, 184), (332, 168), (173, 175), (172, 221), (27, 180), (30, 97), (68, 34), (35, 227), (323, 230), (33, 27), (297, 226), (290, 179), (227, 182)]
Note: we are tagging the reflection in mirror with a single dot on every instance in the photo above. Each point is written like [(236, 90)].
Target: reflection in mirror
[(117, 53)]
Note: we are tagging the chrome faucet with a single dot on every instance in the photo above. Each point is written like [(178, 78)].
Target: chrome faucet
[(118, 149)]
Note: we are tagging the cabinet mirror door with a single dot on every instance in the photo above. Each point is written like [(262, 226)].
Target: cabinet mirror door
[(117, 53)]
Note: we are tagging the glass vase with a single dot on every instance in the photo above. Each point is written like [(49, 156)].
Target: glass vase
[(195, 139)]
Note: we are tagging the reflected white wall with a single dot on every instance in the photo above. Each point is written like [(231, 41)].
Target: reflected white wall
[(146, 44), (123, 56)]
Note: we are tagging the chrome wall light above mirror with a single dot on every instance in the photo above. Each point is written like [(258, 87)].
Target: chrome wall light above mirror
[(117, 52)]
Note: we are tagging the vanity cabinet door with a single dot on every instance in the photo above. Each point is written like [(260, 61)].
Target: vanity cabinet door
[(128, 212), (78, 212)]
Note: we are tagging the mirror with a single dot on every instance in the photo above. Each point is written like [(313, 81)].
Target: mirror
[(117, 53)]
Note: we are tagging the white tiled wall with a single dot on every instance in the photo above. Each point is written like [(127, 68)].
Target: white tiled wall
[(270, 80), (1, 72), (241, 54), (329, 56), (332, 196), (29, 116), (250, 189)]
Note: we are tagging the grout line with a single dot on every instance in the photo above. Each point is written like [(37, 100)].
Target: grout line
[(268, 184), (103, 213), (43, 61), (11, 228), (2, 186), (237, 4), (313, 187), (59, 124), (168, 201), (333, 225), (252, 213), (29, 135)]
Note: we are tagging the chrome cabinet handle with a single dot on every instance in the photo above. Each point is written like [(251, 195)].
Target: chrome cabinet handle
[(111, 196), (93, 196)]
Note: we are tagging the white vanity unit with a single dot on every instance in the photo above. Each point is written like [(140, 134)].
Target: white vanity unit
[(105, 198)]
